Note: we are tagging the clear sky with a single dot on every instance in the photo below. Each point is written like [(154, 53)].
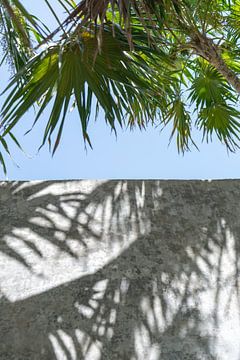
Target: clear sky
[(144, 155)]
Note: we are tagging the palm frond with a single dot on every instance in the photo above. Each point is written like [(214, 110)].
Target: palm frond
[(145, 61), (74, 71)]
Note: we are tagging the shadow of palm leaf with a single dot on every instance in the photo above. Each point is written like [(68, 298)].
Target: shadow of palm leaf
[(170, 242)]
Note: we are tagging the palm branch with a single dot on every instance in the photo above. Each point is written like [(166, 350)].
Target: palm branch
[(165, 62)]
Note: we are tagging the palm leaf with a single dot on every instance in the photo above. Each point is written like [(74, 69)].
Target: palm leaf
[(75, 70)]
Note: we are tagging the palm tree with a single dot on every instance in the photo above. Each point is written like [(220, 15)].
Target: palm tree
[(144, 61)]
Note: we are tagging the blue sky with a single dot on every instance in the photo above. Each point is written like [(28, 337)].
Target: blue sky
[(144, 155)]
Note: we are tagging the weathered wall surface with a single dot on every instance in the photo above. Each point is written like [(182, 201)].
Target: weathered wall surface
[(126, 270)]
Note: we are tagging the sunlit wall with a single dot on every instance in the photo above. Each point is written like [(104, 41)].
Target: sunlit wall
[(126, 270)]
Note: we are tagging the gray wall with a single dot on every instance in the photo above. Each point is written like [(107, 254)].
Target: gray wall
[(126, 270)]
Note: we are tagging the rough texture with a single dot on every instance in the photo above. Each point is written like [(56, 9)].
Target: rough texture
[(126, 270)]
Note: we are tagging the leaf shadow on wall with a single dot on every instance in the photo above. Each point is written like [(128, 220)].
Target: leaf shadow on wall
[(146, 303)]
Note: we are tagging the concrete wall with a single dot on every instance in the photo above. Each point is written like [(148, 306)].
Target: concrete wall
[(126, 270)]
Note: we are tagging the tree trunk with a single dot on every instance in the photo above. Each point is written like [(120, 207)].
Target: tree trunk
[(206, 48)]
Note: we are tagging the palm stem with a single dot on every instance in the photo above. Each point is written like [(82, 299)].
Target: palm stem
[(205, 47)]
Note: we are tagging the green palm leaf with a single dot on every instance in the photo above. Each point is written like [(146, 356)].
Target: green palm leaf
[(166, 61), (118, 80)]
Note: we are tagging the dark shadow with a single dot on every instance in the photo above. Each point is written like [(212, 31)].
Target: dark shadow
[(173, 239)]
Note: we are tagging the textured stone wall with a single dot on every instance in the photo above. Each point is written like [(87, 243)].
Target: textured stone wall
[(126, 270)]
